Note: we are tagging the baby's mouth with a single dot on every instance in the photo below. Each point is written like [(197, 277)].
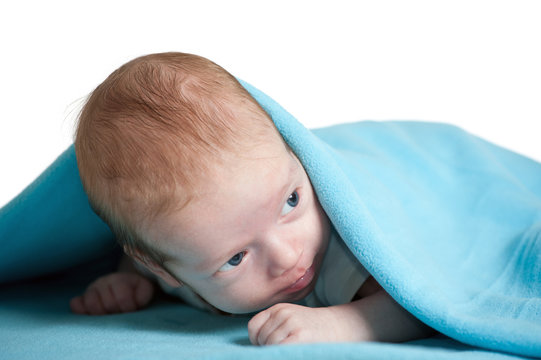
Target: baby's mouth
[(304, 281)]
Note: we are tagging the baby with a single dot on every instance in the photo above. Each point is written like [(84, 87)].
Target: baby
[(201, 190)]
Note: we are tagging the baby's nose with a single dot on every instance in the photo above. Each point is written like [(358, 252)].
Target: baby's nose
[(283, 255)]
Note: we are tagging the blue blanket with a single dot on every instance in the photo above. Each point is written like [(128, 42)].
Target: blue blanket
[(449, 224)]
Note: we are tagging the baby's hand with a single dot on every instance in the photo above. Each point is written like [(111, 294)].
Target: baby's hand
[(290, 323), (114, 293)]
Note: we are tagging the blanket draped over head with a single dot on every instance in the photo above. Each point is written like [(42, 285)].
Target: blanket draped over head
[(447, 223)]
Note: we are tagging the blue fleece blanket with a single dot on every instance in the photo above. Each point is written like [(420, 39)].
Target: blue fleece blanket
[(449, 224)]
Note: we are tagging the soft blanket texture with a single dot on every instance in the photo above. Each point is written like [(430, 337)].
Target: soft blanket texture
[(449, 224)]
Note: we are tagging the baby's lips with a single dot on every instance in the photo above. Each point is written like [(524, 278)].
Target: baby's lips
[(302, 282)]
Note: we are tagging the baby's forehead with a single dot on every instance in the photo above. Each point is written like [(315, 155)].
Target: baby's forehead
[(225, 204)]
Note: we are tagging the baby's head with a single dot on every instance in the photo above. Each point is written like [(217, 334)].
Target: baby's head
[(197, 184)]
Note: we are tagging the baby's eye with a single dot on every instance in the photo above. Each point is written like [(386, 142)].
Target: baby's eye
[(291, 202), (233, 262)]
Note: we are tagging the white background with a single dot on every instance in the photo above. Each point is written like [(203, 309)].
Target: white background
[(473, 63)]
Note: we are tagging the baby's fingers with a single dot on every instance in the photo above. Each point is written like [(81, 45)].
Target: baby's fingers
[(270, 326), (92, 303), (106, 295), (273, 333), (87, 304), (77, 305), (255, 324), (124, 297), (133, 292)]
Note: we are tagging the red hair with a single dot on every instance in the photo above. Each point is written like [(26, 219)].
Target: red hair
[(151, 131)]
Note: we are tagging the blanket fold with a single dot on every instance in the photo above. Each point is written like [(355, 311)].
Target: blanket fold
[(448, 223)]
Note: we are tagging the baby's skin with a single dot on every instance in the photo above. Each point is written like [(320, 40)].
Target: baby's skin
[(377, 316), (127, 291), (123, 291), (263, 251)]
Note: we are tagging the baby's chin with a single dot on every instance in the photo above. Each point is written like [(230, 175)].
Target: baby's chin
[(255, 308), (244, 310)]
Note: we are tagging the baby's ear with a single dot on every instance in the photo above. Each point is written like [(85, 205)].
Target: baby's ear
[(152, 266)]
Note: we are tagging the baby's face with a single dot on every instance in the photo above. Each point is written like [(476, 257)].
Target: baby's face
[(254, 237)]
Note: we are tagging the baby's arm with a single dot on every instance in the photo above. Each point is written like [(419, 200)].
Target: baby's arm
[(122, 291), (375, 317)]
